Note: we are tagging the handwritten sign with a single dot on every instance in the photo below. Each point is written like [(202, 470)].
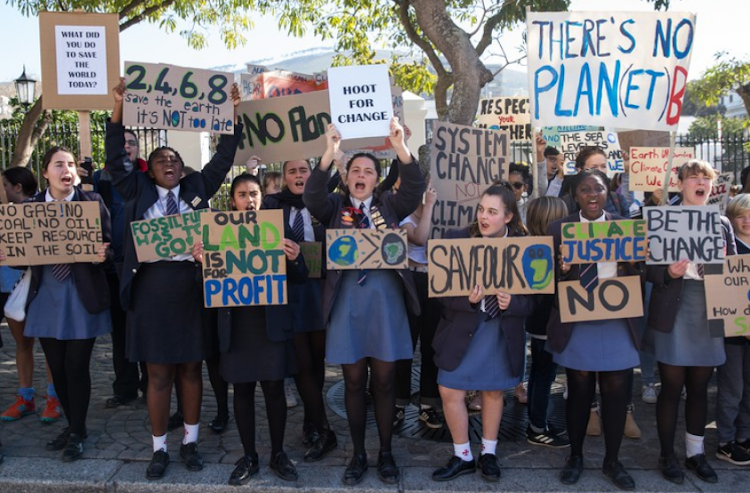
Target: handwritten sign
[(42, 233), (684, 232), (613, 298), (523, 265), (360, 98), (80, 59), (511, 114), (348, 249), (571, 143), (605, 241), (243, 259), (728, 297), (313, 253), (648, 166), (465, 162), (613, 69), (720, 191), (178, 98), (164, 237)]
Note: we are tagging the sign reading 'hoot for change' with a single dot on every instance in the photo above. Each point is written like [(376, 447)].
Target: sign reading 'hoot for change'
[(348, 249)]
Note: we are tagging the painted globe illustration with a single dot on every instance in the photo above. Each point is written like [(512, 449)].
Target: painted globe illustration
[(343, 251)]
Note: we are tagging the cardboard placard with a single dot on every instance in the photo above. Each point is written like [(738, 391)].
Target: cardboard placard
[(178, 98), (720, 191), (728, 297), (516, 265), (360, 98), (605, 241), (348, 249), (511, 114), (164, 237), (612, 69), (642, 138), (648, 165), (684, 232), (464, 163), (569, 143), (243, 259), (613, 298), (80, 60), (43, 233), (313, 253)]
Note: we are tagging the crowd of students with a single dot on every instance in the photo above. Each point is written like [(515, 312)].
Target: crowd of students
[(371, 321)]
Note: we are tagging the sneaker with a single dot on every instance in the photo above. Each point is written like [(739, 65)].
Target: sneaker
[(399, 413), (649, 395), (744, 445), (52, 412), (431, 418), (733, 454), (546, 439), (291, 401), (18, 409)]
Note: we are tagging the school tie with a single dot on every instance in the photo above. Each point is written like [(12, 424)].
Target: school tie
[(61, 271), (172, 208), (298, 227), (364, 223), (491, 306), (701, 271), (589, 277)]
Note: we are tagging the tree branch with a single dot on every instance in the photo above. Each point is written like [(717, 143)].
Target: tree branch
[(403, 16), (489, 27), (126, 10), (143, 15)]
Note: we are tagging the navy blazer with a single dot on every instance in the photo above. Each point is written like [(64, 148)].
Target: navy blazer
[(140, 194), (558, 333), (458, 324), (326, 208), (89, 279), (667, 291)]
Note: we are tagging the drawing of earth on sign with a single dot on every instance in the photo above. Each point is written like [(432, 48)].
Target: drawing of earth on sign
[(343, 251), (538, 266), (393, 249)]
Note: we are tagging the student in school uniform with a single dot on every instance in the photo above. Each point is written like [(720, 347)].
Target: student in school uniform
[(366, 310), (164, 299), (68, 307)]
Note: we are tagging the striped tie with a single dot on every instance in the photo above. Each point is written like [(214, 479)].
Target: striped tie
[(298, 227), (491, 306), (172, 208), (589, 277), (701, 270), (61, 271), (364, 223)]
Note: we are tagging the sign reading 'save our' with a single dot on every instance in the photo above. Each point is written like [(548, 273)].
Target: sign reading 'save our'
[(684, 232)]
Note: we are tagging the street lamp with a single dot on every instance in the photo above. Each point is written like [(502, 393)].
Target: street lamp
[(25, 89)]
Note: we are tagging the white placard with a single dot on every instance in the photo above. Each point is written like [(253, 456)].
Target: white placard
[(360, 98), (81, 60)]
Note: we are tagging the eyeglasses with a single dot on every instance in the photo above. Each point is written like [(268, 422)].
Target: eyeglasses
[(518, 185)]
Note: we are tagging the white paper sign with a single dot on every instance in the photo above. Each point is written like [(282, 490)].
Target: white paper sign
[(720, 191), (360, 99), (612, 69), (81, 60)]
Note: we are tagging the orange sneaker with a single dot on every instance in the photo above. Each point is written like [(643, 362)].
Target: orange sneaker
[(18, 409), (52, 412)]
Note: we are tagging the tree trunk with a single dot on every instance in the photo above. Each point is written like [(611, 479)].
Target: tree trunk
[(29, 134)]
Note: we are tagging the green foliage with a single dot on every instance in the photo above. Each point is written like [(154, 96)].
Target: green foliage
[(728, 74), (706, 127)]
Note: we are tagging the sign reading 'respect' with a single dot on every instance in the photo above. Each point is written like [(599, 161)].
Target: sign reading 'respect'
[(360, 98)]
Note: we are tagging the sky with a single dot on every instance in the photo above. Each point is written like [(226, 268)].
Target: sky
[(721, 26)]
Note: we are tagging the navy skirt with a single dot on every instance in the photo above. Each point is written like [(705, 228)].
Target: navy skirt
[(602, 345)]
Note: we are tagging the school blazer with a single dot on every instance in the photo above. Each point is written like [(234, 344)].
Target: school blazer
[(665, 296), (458, 324), (558, 333), (139, 190), (326, 208), (89, 279)]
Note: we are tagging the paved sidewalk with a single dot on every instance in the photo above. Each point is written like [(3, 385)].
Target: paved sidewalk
[(119, 447)]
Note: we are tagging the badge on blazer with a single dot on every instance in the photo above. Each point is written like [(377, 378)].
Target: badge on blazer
[(196, 200)]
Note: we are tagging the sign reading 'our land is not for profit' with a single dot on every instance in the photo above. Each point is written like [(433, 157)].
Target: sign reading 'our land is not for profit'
[(684, 233), (604, 241)]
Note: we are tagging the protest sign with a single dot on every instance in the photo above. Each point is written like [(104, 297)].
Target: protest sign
[(518, 265), (727, 297), (279, 83), (178, 98), (613, 69), (80, 59), (511, 114), (348, 249), (243, 259), (50, 233), (604, 241), (360, 99), (613, 298), (251, 87), (164, 237), (312, 251), (648, 165), (720, 191), (684, 232), (570, 144), (381, 147), (642, 138), (464, 162)]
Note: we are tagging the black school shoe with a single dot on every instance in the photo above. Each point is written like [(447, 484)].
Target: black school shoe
[(387, 469), (245, 469), (355, 471), (327, 441), (702, 469), (283, 467), (616, 472), (73, 449), (60, 441), (571, 473), (219, 424), (455, 467), (158, 465), (670, 469), (191, 456), (489, 467)]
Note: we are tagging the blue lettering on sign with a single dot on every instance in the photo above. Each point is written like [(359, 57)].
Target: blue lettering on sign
[(245, 291)]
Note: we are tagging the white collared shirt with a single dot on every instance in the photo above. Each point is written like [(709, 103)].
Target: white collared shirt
[(364, 206), (159, 209), (604, 270), (49, 198), (306, 219)]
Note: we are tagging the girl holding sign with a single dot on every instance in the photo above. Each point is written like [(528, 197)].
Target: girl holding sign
[(684, 348), (607, 348), (479, 345), (366, 311), (164, 299), (68, 307)]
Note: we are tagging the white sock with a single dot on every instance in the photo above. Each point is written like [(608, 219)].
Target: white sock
[(191, 433), (693, 445), (463, 451), (160, 443), (488, 446)]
